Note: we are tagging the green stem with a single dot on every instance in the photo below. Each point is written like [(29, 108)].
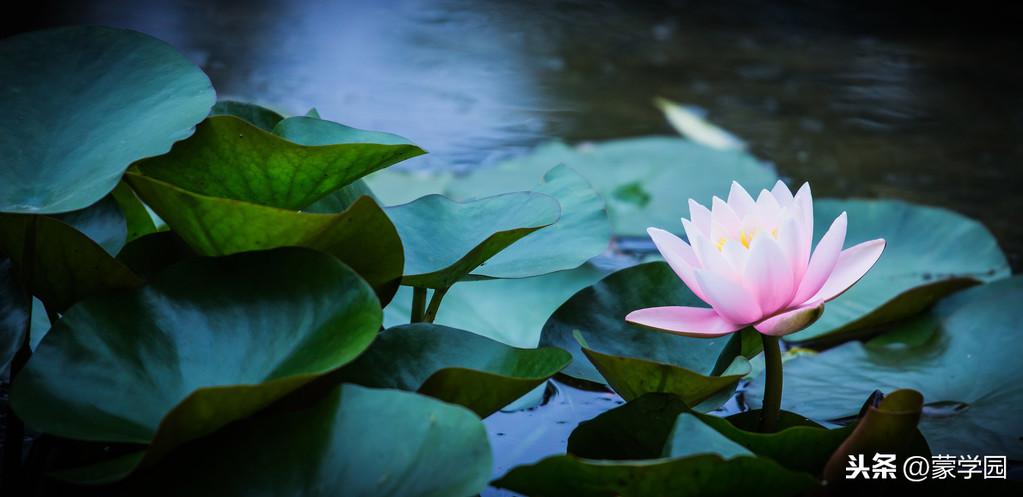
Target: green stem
[(418, 304), (14, 431), (431, 311), (772, 386)]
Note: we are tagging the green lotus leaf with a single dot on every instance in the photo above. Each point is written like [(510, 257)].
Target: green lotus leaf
[(103, 222), (645, 181), (81, 104), (393, 186), (445, 240), (454, 366), (581, 233), (704, 475), (232, 159), (509, 311), (309, 130), (930, 253), (631, 377), (149, 255), (138, 222), (66, 265), (361, 237), (965, 370), (597, 314), (257, 115), (207, 342), (355, 441)]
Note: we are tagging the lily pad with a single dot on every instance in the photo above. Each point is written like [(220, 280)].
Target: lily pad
[(81, 104), (103, 222), (598, 312), (14, 313), (454, 366), (137, 220), (930, 253), (207, 342), (509, 311), (259, 116), (66, 265), (232, 159), (309, 130), (362, 236), (356, 442), (966, 372), (393, 186), (581, 233), (646, 181), (704, 475), (446, 240)]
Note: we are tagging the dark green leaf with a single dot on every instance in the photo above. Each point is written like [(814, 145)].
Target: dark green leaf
[(261, 117), (136, 216), (207, 342), (103, 222), (362, 236), (232, 159), (454, 365), (14, 317), (81, 104)]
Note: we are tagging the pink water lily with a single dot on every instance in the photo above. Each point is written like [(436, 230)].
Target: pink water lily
[(751, 262)]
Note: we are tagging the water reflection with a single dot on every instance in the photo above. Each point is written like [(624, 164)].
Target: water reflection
[(861, 102)]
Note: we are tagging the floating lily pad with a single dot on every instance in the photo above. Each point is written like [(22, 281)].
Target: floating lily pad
[(207, 342), (930, 253), (81, 104), (356, 442), (259, 116), (67, 266), (230, 158), (362, 236), (598, 312), (510, 311), (966, 372), (704, 475), (137, 220), (645, 181), (581, 233), (446, 240), (103, 222), (454, 366), (308, 130)]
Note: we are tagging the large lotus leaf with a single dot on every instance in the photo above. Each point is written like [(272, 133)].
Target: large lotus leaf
[(81, 104), (149, 255), (355, 442), (704, 475), (645, 181), (66, 265), (454, 366), (230, 158), (103, 222), (257, 115), (581, 233), (393, 186), (930, 253), (446, 240), (307, 130), (362, 236), (138, 222), (510, 311), (598, 312), (966, 372), (206, 342), (14, 313)]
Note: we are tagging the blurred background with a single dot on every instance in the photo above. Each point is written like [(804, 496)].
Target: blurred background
[(871, 99)]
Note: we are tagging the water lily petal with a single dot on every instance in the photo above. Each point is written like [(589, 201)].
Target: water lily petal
[(736, 255), (679, 255), (729, 298), (823, 260), (769, 273), (797, 253), (740, 200), (689, 321), (700, 216), (711, 259), (852, 264), (804, 200), (782, 193), (791, 321), (769, 209), (724, 222)]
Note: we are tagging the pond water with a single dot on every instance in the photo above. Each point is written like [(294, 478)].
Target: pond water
[(857, 101)]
